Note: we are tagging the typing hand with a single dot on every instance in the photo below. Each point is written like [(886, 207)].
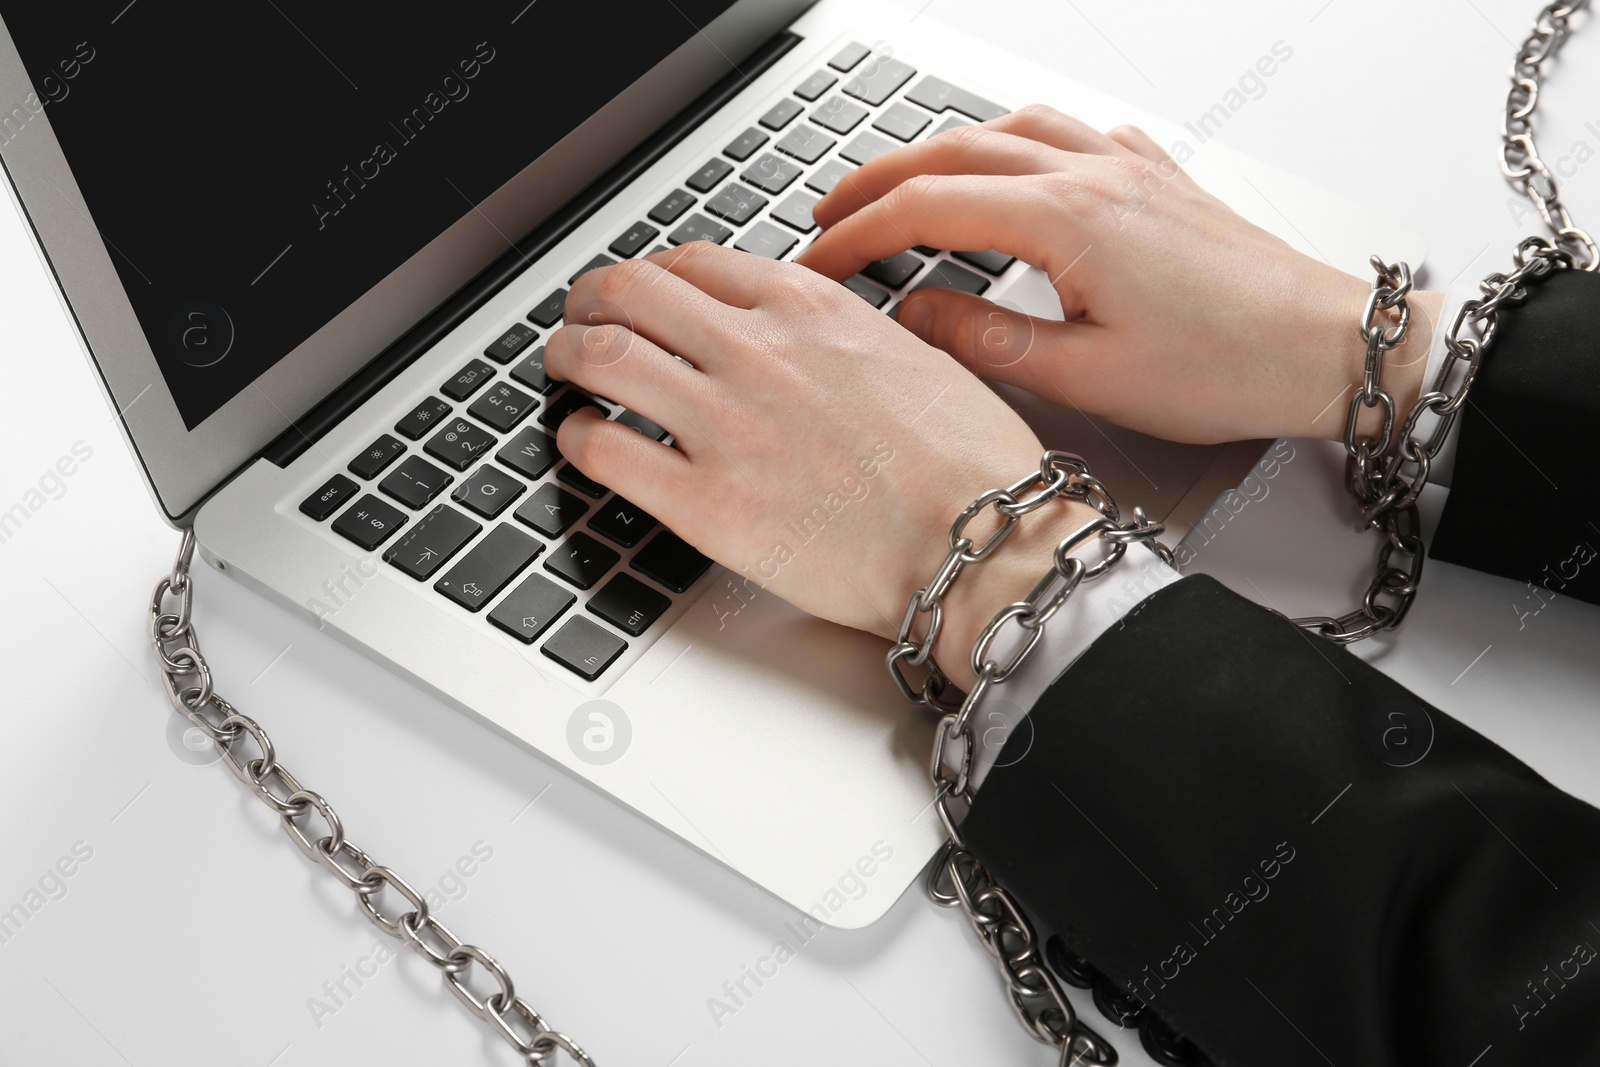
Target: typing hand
[(822, 451), (1183, 320)]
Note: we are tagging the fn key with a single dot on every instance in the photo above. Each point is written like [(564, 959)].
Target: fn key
[(584, 648)]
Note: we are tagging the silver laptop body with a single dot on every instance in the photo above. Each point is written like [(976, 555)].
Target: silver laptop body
[(315, 368)]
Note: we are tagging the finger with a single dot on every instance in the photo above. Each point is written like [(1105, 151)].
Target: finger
[(1049, 126), (648, 473), (999, 343), (737, 279), (609, 360), (963, 150), (1145, 146), (652, 302), (947, 211)]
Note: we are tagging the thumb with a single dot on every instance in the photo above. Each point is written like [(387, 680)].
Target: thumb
[(992, 341)]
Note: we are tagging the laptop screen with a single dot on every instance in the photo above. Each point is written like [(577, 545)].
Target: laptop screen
[(254, 169)]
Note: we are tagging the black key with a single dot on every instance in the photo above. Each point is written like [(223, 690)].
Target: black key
[(805, 144), (765, 239), (825, 177), (865, 147), (467, 380), (838, 114), (556, 412), (849, 56), (638, 235), (584, 648), (902, 122), (376, 456), (736, 203), (925, 250), (424, 417), (596, 263), (488, 491), (635, 421), (581, 560), (771, 174), (581, 482), (946, 275), (795, 211), (669, 561), (628, 604), (325, 501), (949, 124), (815, 86), (416, 482), (744, 146), (658, 248), (879, 80), (459, 443), (550, 309), (699, 228), (866, 291), (492, 563), (709, 176), (991, 261), (530, 608), (894, 271), (530, 453), (530, 372), (672, 205), (369, 522), (551, 510), (622, 522), (938, 96), (511, 342), (502, 407), (436, 537), (782, 113)]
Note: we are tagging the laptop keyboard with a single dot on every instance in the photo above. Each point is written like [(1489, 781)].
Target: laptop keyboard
[(469, 490)]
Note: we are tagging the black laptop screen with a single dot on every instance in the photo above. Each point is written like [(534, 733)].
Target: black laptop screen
[(254, 168)]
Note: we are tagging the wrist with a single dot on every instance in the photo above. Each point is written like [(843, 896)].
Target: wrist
[(1403, 366), (1005, 577)]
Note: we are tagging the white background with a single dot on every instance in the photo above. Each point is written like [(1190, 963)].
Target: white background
[(196, 934)]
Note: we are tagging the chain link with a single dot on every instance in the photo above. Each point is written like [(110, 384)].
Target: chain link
[(1386, 483), (957, 878), (189, 686)]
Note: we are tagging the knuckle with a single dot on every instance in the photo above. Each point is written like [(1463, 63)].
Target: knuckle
[(1127, 132), (965, 138), (615, 282), (913, 194), (1036, 111)]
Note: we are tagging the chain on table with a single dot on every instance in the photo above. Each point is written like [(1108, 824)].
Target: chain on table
[(957, 878), (1386, 484), (188, 682)]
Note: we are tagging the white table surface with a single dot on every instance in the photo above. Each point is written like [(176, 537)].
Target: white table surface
[(194, 934)]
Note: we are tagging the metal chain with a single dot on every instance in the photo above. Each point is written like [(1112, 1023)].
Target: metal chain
[(957, 878), (188, 681), (1387, 484)]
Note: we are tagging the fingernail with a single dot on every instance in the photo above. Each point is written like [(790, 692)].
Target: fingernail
[(915, 315)]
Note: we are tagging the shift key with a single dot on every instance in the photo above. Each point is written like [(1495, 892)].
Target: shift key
[(492, 563)]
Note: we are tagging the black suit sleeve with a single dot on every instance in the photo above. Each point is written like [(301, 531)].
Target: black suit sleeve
[(1290, 858), (1525, 494)]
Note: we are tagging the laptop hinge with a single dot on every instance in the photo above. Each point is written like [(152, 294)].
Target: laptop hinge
[(404, 351)]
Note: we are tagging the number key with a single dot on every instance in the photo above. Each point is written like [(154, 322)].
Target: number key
[(459, 443), (369, 522)]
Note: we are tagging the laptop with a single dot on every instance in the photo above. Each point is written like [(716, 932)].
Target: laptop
[(313, 254)]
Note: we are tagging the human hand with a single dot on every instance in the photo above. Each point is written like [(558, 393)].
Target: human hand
[(1183, 320), (821, 451)]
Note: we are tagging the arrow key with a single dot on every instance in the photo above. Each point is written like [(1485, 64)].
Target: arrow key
[(530, 608), (436, 537)]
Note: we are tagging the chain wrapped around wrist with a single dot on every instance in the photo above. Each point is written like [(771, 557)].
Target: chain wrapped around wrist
[(1386, 483), (957, 877)]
